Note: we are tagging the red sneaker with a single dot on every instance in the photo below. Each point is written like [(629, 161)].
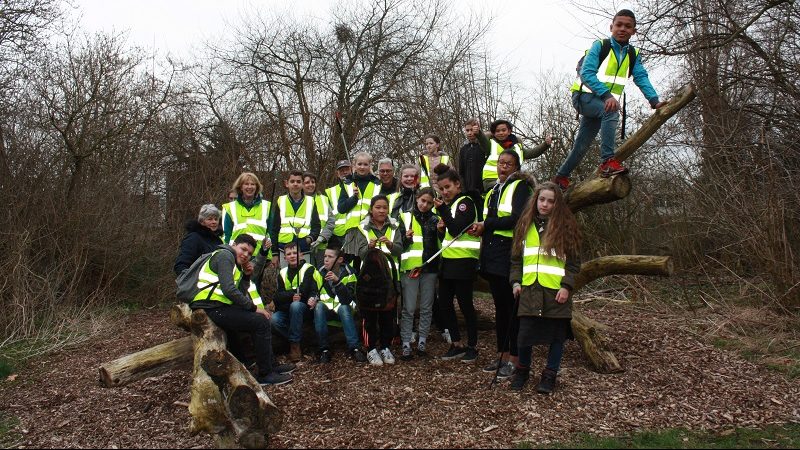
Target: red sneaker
[(561, 181), (612, 167)]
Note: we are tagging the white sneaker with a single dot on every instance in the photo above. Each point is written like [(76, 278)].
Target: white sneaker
[(388, 357), (374, 358)]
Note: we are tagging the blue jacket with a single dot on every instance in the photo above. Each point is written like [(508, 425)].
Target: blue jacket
[(591, 64)]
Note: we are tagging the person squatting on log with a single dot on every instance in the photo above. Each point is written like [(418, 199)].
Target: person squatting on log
[(295, 298), (459, 262), (294, 219), (403, 200), (202, 236), (327, 221), (544, 263), (503, 207), (431, 158), (504, 139), (249, 214), (380, 231), (337, 296), (417, 277), (231, 309), (596, 94), (359, 189)]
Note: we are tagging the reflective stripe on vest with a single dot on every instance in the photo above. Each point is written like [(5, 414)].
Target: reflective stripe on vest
[(334, 193), (392, 198), (207, 276), (252, 222), (504, 206), (323, 205), (333, 302), (295, 282), (611, 73), (490, 168), (359, 212), (412, 257), (294, 223), (466, 246), (547, 269), (424, 180), (370, 235)]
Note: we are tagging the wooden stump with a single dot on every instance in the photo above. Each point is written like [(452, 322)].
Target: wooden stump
[(595, 346)]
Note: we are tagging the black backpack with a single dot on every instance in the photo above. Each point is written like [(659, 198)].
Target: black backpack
[(605, 48), (376, 289)]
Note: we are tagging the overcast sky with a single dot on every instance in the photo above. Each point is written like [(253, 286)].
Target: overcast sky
[(538, 36)]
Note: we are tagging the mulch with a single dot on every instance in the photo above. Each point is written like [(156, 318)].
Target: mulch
[(672, 379)]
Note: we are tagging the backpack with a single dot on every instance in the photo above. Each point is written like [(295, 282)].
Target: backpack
[(187, 281), (376, 289), (605, 48)]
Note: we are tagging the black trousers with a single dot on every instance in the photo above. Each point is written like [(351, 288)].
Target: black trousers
[(506, 321), (462, 290), (373, 320), (234, 320)]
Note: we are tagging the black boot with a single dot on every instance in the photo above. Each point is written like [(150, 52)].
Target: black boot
[(548, 382), (520, 378)]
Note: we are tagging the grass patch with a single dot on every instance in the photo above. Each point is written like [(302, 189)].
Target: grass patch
[(9, 437), (786, 436)]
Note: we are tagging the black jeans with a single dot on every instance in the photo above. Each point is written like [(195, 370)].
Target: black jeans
[(506, 321), (234, 320), (461, 289), (372, 321)]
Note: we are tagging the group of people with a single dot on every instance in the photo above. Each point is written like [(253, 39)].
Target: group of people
[(438, 224)]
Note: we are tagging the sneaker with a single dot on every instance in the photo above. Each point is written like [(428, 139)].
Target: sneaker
[(492, 368), (374, 358), (470, 355), (325, 356), (561, 181), (507, 371), (421, 350), (407, 355), (387, 356), (453, 353), (284, 368), (611, 167), (548, 382), (358, 355), (274, 379), (446, 336)]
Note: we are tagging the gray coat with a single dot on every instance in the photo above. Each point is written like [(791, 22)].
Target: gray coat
[(538, 301)]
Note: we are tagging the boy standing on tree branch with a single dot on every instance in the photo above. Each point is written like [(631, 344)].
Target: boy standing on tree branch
[(603, 73)]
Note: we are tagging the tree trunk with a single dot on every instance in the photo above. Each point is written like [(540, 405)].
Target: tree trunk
[(597, 191), (595, 346), (181, 316), (151, 362)]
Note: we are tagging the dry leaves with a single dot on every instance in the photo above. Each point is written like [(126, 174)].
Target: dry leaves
[(671, 380)]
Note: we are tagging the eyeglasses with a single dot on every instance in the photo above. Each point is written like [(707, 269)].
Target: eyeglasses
[(506, 164), (385, 171)]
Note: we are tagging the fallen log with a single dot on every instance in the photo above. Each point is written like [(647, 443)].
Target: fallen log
[(623, 265), (154, 361), (595, 346), (226, 401)]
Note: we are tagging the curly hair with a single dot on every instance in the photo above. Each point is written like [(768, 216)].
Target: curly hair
[(562, 236)]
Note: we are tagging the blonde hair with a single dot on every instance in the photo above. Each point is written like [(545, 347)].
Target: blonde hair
[(360, 155), (247, 176)]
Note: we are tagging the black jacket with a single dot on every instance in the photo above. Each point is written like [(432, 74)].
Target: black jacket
[(198, 241), (471, 159), (496, 250), (308, 288)]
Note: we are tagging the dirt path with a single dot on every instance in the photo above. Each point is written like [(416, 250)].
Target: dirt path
[(672, 380)]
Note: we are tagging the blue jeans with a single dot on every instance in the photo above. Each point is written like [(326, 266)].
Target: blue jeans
[(344, 313), (290, 325), (594, 119), (553, 356)]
